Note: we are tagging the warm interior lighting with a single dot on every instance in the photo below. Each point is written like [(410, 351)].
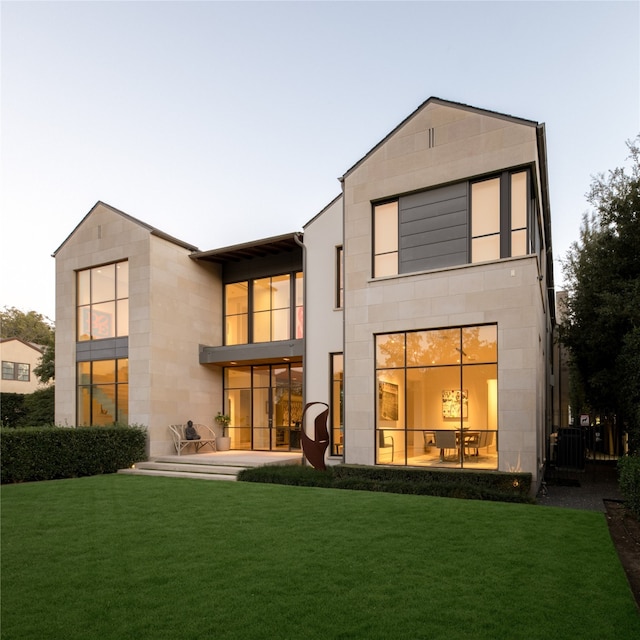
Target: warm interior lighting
[(492, 404)]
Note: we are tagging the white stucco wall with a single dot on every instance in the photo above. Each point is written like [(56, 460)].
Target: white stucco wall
[(323, 321)]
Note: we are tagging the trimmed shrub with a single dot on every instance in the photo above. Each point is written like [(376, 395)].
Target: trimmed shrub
[(35, 409), (39, 408), (12, 409), (470, 485), (50, 453), (629, 482)]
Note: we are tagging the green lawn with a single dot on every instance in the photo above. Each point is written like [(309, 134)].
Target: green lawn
[(137, 557)]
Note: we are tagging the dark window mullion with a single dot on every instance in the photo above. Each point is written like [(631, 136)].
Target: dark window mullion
[(505, 215)]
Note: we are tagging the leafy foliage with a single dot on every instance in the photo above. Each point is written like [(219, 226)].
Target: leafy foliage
[(30, 327), (50, 453), (602, 326), (629, 481), (12, 410), (35, 409)]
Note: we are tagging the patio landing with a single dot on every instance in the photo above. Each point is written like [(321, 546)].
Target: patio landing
[(221, 465)]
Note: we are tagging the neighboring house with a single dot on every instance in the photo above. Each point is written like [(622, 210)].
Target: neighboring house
[(419, 305), (19, 359)]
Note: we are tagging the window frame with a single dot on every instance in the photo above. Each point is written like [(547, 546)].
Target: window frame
[(92, 386), (15, 372), (119, 302), (394, 365), (375, 254), (506, 229), (295, 309)]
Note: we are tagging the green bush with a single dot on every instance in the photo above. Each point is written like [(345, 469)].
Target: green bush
[(12, 409), (49, 453), (35, 409), (629, 481), (472, 485)]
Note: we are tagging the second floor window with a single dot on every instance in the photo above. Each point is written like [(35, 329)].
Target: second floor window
[(385, 239), (16, 371), (499, 212), (103, 302), (264, 309), (455, 224)]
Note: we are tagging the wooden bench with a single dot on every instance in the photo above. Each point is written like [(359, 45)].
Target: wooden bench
[(207, 436)]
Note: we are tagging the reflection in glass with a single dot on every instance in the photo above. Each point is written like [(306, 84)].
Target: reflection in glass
[(102, 392), (390, 350), (447, 392), (428, 348), (98, 315), (480, 344)]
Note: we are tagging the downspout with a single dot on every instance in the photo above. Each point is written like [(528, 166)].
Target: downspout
[(299, 239)]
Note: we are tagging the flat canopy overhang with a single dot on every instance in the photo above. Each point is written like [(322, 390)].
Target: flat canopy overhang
[(250, 250), (267, 353)]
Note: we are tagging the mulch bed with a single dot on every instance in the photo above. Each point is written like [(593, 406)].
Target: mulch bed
[(624, 528)]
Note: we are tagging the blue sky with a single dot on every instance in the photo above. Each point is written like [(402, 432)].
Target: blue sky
[(225, 122)]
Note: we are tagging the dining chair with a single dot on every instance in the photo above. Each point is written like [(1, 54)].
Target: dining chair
[(479, 441), (446, 439), (385, 442)]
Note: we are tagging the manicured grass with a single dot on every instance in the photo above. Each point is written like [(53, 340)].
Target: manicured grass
[(134, 557)]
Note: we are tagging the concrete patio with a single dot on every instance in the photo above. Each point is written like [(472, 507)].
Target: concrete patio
[(219, 465)]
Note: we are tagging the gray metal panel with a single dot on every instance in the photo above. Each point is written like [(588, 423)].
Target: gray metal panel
[(434, 228), (108, 349), (263, 352)]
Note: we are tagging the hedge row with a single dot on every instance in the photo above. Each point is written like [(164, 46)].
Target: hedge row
[(471, 485), (49, 453), (629, 481), (35, 409)]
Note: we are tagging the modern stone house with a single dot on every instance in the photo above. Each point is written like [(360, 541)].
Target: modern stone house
[(418, 304)]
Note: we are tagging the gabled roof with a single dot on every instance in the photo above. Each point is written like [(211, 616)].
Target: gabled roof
[(31, 345), (152, 230), (445, 103)]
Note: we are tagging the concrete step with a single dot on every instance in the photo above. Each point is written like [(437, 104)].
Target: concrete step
[(215, 466), (178, 474), (191, 467)]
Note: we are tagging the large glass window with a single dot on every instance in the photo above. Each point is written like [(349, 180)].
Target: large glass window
[(237, 313), (437, 401), (265, 405), (103, 302), (519, 201), (103, 392), (265, 309), (485, 220), (337, 404), (499, 214), (385, 239)]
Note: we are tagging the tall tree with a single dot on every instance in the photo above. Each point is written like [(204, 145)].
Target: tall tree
[(31, 327), (602, 269)]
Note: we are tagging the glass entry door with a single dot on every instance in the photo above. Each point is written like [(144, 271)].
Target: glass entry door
[(271, 408)]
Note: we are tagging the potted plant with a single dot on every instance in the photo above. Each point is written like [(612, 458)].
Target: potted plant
[(224, 442)]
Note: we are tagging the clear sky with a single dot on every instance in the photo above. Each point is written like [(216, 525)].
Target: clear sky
[(225, 122)]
